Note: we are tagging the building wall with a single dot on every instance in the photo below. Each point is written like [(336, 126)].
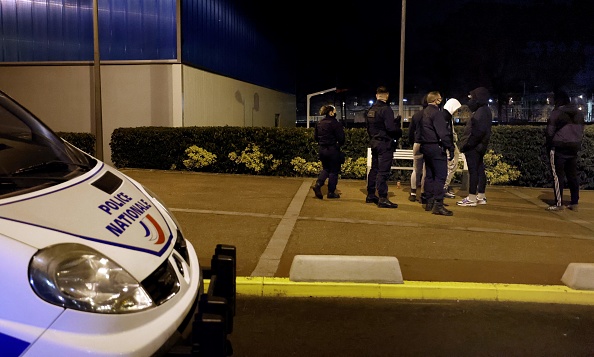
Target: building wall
[(135, 95), (59, 95)]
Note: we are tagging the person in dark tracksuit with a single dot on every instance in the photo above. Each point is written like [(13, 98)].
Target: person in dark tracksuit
[(564, 135), (383, 135), (437, 148), (329, 134), (474, 143)]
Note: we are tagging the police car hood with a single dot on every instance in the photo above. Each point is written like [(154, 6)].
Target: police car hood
[(103, 209)]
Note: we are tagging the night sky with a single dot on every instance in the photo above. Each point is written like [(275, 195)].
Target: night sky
[(452, 46)]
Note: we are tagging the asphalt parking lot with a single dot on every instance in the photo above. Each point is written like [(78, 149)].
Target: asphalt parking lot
[(272, 326), (443, 308)]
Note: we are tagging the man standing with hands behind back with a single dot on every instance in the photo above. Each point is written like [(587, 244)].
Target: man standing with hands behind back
[(383, 134)]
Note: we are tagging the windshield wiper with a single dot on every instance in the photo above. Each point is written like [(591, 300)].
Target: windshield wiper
[(46, 164)]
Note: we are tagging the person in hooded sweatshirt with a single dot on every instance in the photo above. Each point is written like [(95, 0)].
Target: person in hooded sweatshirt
[(474, 143), (564, 134), (449, 108)]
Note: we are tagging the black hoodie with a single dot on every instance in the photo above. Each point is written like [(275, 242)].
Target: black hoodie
[(477, 132), (565, 129)]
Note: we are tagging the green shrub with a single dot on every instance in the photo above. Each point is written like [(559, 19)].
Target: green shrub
[(83, 141), (518, 155)]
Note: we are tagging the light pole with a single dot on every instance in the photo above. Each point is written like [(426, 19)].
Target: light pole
[(313, 94), (401, 87), (97, 87)]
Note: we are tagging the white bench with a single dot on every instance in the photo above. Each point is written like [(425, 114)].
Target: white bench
[(402, 154)]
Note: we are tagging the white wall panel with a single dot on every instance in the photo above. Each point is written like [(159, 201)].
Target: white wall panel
[(214, 100), (59, 95)]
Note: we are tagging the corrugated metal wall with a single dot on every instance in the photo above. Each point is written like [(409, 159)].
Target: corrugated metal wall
[(218, 37), (137, 29), (50, 30), (62, 30)]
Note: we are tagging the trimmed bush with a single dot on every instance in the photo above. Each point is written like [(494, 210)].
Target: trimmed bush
[(293, 151)]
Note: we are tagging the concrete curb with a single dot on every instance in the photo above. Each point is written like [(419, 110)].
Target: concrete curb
[(346, 268), (415, 290)]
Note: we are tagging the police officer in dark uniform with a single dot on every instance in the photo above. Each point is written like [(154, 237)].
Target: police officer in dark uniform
[(329, 134), (437, 148), (383, 134)]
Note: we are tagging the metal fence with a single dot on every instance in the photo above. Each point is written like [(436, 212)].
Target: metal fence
[(505, 114)]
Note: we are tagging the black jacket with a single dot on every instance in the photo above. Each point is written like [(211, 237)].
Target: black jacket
[(413, 133), (329, 132), (477, 132), (565, 129), (381, 124), (434, 128)]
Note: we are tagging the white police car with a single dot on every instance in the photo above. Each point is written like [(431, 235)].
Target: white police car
[(92, 264)]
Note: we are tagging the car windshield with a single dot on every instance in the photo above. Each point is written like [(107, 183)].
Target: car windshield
[(32, 156)]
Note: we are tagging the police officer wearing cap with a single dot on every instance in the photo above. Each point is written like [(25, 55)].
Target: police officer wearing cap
[(437, 148), (383, 134)]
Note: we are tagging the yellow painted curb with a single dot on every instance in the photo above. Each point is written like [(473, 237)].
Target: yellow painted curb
[(414, 290)]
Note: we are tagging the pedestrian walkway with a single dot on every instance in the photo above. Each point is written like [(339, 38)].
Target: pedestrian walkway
[(510, 240)]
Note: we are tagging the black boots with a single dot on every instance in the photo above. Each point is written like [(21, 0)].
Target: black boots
[(371, 199), (318, 191), (429, 204), (384, 202), (423, 198), (439, 209)]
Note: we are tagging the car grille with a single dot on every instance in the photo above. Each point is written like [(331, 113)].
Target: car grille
[(163, 283)]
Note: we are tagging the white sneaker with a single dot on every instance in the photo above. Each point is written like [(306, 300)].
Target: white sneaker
[(481, 201), (466, 203), (449, 193)]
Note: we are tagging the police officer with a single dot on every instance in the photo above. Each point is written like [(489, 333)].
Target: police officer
[(437, 148), (383, 135), (329, 134)]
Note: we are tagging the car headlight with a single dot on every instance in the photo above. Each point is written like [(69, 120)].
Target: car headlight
[(78, 277)]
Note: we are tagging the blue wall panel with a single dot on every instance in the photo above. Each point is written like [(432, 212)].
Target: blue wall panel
[(220, 37), (137, 29), (62, 30), (50, 30)]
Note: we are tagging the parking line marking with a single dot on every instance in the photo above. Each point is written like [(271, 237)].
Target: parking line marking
[(270, 259)]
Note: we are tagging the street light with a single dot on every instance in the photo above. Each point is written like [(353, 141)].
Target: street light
[(97, 84), (313, 94), (402, 30)]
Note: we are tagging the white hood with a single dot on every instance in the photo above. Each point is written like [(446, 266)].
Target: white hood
[(452, 105)]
